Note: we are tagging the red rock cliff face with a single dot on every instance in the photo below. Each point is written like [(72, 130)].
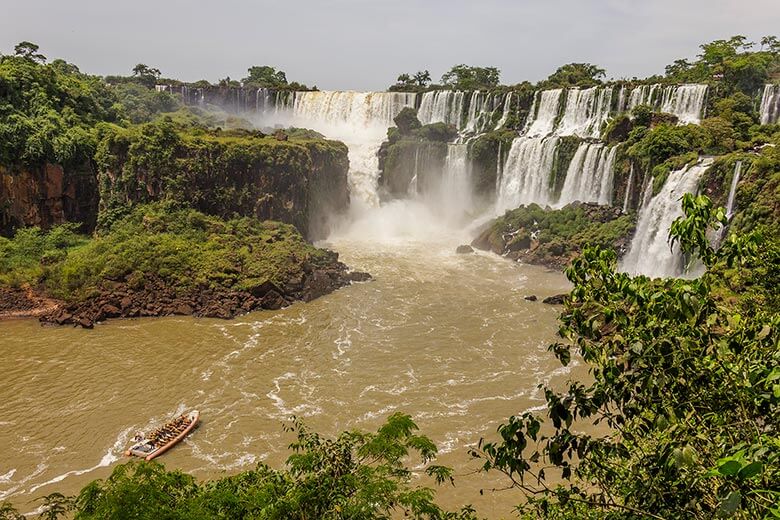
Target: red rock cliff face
[(46, 196)]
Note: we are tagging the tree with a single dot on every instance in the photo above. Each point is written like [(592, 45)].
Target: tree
[(678, 68), (145, 75), (29, 51), (422, 78), (686, 380), (465, 77), (265, 76), (576, 75), (417, 81)]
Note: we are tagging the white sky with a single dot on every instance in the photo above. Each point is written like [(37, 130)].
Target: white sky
[(365, 44)]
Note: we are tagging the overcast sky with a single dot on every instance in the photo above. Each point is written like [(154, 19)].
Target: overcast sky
[(365, 44)]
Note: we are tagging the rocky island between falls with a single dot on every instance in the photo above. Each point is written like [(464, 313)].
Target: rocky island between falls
[(165, 260)]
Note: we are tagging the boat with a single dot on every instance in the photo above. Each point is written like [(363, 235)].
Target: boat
[(162, 439)]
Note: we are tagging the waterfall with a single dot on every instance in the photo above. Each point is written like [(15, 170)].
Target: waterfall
[(585, 111), (733, 190), (770, 105), (541, 118), (684, 101), (470, 113), (442, 106), (629, 187), (526, 174), (590, 174), (505, 112), (455, 193), (649, 253), (359, 119)]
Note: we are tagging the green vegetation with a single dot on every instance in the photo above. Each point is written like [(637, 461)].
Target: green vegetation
[(413, 148), (357, 475), (184, 248), (553, 237), (465, 77), (687, 381), (268, 77), (574, 75), (731, 64), (218, 172), (47, 112), (412, 82)]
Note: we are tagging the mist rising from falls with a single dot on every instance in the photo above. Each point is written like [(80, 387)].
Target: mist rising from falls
[(650, 253), (770, 105)]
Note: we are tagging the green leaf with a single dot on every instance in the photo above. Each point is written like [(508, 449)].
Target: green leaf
[(751, 470), (729, 468)]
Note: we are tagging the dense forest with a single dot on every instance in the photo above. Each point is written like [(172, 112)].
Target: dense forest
[(685, 373)]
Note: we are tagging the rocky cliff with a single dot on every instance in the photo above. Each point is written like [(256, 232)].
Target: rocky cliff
[(47, 195), (298, 181)]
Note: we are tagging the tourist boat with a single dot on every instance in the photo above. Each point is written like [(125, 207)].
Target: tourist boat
[(164, 438)]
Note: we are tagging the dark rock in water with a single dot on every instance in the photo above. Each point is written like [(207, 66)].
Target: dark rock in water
[(464, 249), (558, 299), (85, 323), (358, 276), (531, 298), (272, 301), (263, 289)]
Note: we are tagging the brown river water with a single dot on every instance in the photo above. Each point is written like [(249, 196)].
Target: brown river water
[(446, 338)]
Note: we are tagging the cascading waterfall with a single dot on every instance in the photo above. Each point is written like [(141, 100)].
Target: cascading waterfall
[(590, 174), (544, 111), (442, 106), (470, 113), (585, 111), (770, 105), (684, 101), (733, 190), (629, 187), (505, 112), (526, 174), (359, 119), (649, 253)]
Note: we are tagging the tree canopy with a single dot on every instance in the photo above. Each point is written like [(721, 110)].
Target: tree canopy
[(575, 75), (465, 77)]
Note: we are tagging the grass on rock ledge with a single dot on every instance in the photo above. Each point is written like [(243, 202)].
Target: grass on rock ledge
[(183, 247)]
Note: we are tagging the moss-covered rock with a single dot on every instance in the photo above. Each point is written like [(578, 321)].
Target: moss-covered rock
[(486, 159), (299, 181), (164, 259), (552, 238)]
